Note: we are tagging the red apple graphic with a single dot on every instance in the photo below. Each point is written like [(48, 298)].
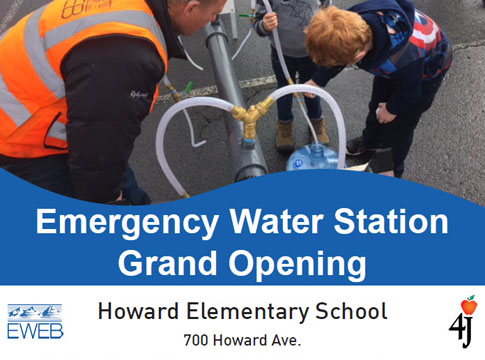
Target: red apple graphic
[(469, 305)]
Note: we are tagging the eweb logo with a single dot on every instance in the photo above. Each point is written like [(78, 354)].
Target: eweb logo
[(34, 321)]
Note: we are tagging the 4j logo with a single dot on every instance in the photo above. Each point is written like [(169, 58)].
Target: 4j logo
[(464, 323), (34, 321)]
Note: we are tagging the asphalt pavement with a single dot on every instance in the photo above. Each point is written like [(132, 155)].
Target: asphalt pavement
[(448, 151)]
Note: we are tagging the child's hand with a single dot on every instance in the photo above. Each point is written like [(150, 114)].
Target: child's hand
[(312, 83), (270, 21), (384, 116)]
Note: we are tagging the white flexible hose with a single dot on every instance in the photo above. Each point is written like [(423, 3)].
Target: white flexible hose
[(192, 137), (286, 72), (253, 11), (242, 44), (198, 67), (169, 85), (277, 42), (342, 136), (162, 127), (303, 110)]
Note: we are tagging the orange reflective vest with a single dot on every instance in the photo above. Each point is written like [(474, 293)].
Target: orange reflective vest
[(32, 94)]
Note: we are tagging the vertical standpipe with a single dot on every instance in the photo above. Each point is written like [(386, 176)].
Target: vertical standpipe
[(247, 159)]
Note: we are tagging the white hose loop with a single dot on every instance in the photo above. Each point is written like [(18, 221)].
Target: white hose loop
[(242, 44), (162, 128), (168, 84), (342, 137), (198, 67)]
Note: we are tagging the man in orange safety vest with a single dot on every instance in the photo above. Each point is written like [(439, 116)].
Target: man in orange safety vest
[(77, 77)]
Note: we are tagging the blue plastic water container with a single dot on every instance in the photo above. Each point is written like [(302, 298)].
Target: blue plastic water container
[(313, 156)]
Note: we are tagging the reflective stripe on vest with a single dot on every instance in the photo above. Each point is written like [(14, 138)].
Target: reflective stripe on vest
[(11, 106), (38, 58), (56, 136), (20, 106)]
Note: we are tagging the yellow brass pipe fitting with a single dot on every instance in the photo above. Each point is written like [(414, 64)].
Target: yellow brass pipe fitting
[(238, 112), (252, 17), (297, 96), (173, 93), (251, 116)]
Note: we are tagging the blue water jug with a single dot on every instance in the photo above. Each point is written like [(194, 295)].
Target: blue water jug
[(313, 156)]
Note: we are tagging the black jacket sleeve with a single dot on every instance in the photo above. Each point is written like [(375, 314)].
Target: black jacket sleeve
[(110, 83), (407, 87), (323, 74)]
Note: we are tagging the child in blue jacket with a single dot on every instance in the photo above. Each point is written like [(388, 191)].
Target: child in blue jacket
[(406, 51)]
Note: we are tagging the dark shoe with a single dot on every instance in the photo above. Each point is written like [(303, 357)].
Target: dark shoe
[(359, 146), (285, 142), (319, 126)]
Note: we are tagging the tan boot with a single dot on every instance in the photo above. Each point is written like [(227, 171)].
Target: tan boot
[(319, 126), (284, 137)]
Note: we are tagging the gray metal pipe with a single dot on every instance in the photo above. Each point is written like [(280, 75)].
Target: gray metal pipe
[(248, 161)]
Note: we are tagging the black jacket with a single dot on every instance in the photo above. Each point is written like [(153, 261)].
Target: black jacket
[(394, 55), (110, 83)]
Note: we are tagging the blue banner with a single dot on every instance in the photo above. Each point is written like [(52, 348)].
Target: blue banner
[(316, 227)]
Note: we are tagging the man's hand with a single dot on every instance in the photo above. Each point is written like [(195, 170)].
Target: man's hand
[(312, 83), (119, 200), (384, 116), (270, 21)]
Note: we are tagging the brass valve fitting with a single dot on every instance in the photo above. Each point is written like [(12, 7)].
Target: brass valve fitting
[(252, 17), (297, 96), (238, 112), (251, 116), (173, 93)]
